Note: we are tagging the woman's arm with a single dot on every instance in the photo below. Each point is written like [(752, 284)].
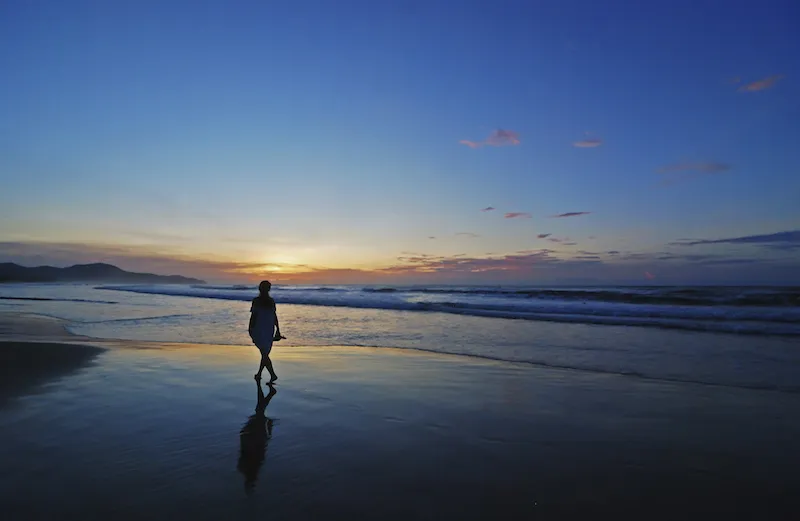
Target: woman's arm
[(277, 324), (252, 321)]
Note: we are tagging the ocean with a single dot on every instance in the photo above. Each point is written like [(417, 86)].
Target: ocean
[(746, 337)]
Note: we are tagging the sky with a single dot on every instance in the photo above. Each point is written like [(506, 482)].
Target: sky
[(508, 142)]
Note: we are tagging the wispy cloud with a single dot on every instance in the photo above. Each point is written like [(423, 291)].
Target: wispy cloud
[(498, 138), (543, 235), (132, 258), (468, 234), (648, 275), (431, 237), (788, 240), (517, 215), (764, 84), (537, 264), (569, 214), (689, 170), (488, 209), (588, 143), (704, 167), (502, 137)]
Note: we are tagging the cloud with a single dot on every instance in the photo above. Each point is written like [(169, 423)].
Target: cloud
[(730, 262), (612, 252), (542, 265), (788, 240), (648, 275), (554, 239), (569, 214), (764, 84), (588, 143), (131, 258), (700, 167), (520, 261), (543, 235), (488, 209), (689, 170), (431, 237), (517, 215), (502, 137), (468, 234), (498, 138)]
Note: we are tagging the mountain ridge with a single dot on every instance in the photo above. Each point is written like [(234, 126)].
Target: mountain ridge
[(95, 272)]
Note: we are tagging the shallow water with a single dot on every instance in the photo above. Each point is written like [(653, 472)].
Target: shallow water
[(713, 358)]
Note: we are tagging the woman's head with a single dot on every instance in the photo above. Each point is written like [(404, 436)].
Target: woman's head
[(264, 287)]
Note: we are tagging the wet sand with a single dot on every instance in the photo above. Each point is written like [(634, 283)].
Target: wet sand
[(25, 366), (149, 431)]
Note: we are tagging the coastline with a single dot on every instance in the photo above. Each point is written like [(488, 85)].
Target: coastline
[(384, 433)]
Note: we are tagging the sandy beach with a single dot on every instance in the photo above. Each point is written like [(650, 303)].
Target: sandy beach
[(135, 430)]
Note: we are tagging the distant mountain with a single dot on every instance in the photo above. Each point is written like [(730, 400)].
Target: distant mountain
[(99, 272)]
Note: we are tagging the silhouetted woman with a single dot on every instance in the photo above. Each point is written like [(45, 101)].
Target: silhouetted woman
[(264, 328)]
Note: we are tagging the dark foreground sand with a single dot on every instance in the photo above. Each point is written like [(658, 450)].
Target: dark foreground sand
[(24, 366), (158, 431)]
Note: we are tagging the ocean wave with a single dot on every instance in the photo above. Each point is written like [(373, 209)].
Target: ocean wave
[(49, 299), (680, 296), (237, 287), (728, 296), (716, 318)]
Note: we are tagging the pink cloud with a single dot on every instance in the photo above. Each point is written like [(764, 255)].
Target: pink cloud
[(498, 138), (488, 209), (588, 143), (517, 215), (648, 275), (569, 214), (502, 137), (764, 84)]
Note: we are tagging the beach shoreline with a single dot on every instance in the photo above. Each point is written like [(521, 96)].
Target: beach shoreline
[(382, 434)]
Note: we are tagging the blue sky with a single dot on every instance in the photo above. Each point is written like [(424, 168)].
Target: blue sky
[(324, 141)]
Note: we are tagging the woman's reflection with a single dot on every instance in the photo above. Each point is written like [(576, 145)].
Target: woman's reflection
[(253, 437)]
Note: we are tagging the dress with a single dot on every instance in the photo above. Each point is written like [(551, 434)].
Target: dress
[(264, 328)]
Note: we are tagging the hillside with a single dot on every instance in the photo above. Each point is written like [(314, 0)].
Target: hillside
[(98, 272)]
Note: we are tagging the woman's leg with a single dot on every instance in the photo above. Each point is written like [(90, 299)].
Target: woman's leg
[(262, 365), (268, 364)]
